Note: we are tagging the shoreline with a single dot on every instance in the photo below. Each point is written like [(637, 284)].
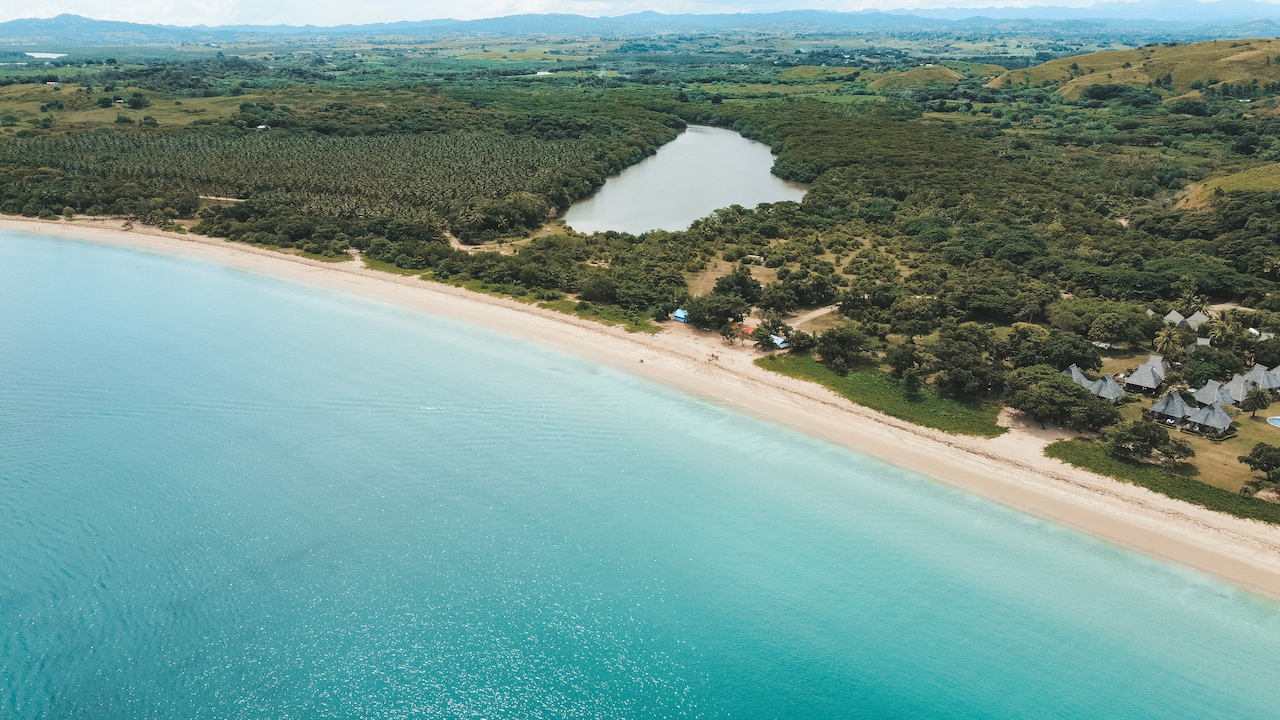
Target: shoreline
[(1011, 470)]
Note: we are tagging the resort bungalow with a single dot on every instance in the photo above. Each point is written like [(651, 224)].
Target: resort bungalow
[(1196, 320), (1174, 318), (1213, 394), (1236, 388), (1105, 388), (1210, 417), (1172, 408), (1108, 389), (1265, 378), (1078, 376), (1148, 376), (681, 316)]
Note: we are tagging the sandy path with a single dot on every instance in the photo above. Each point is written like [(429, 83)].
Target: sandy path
[(797, 322), (1011, 470)]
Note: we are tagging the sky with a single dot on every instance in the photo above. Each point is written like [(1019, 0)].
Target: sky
[(339, 12)]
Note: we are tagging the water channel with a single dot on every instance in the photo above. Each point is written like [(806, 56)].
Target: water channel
[(703, 169)]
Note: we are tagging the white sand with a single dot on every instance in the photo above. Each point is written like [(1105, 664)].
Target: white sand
[(1011, 469)]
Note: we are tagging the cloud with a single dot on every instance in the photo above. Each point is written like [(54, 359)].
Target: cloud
[(340, 12)]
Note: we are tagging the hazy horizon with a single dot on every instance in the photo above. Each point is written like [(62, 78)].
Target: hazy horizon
[(329, 13)]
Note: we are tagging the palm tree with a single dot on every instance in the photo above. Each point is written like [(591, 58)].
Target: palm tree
[(1192, 303), (1256, 399), (1218, 333), (1168, 343)]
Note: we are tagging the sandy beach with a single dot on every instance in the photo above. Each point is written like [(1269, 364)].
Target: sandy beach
[(1011, 469)]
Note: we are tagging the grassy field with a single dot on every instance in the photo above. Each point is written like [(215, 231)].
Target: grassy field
[(1265, 178), (1232, 61), (916, 78), (1215, 462), (604, 314), (874, 389), (1093, 456)]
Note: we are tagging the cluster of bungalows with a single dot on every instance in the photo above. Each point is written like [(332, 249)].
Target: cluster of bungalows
[(1207, 414), (1172, 409), (1194, 322), (1212, 398), (1146, 378)]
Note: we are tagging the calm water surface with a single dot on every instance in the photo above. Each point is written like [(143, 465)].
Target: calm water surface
[(702, 170), (227, 496)]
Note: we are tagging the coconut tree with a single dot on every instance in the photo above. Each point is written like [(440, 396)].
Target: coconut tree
[(1168, 342), (1192, 303), (1256, 399)]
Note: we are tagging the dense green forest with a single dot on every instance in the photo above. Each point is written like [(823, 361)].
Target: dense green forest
[(976, 235)]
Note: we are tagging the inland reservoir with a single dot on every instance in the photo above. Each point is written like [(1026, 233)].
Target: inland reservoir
[(703, 169)]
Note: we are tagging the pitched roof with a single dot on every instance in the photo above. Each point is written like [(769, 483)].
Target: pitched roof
[(1172, 405), (1265, 378), (1076, 375), (1237, 387), (1107, 388), (1144, 377), (1212, 394), (1196, 320), (1174, 317), (1211, 416), (1157, 363)]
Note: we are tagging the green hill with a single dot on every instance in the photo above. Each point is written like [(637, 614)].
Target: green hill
[(1238, 62), (916, 78)]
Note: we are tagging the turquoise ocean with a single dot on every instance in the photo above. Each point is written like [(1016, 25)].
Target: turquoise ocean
[(224, 495)]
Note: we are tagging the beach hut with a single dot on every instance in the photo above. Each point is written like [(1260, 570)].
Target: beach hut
[(1172, 408), (1212, 394), (1108, 389), (1074, 373), (1196, 320), (1265, 378), (1148, 376), (1210, 417), (1078, 377), (1174, 318), (680, 315), (1236, 388), (1158, 365), (1144, 378)]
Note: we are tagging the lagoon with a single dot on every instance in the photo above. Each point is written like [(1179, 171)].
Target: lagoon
[(702, 170), (229, 496)]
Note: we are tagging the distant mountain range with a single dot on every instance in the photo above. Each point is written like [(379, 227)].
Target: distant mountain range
[(1186, 18), (1201, 13)]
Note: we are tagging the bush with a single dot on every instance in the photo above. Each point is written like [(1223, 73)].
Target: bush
[(1093, 456)]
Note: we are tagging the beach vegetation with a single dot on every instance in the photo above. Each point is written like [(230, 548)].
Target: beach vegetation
[(1139, 439), (1048, 396), (1265, 459), (875, 389), (1171, 481)]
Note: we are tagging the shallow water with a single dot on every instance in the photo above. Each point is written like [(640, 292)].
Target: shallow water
[(229, 496), (701, 171)]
